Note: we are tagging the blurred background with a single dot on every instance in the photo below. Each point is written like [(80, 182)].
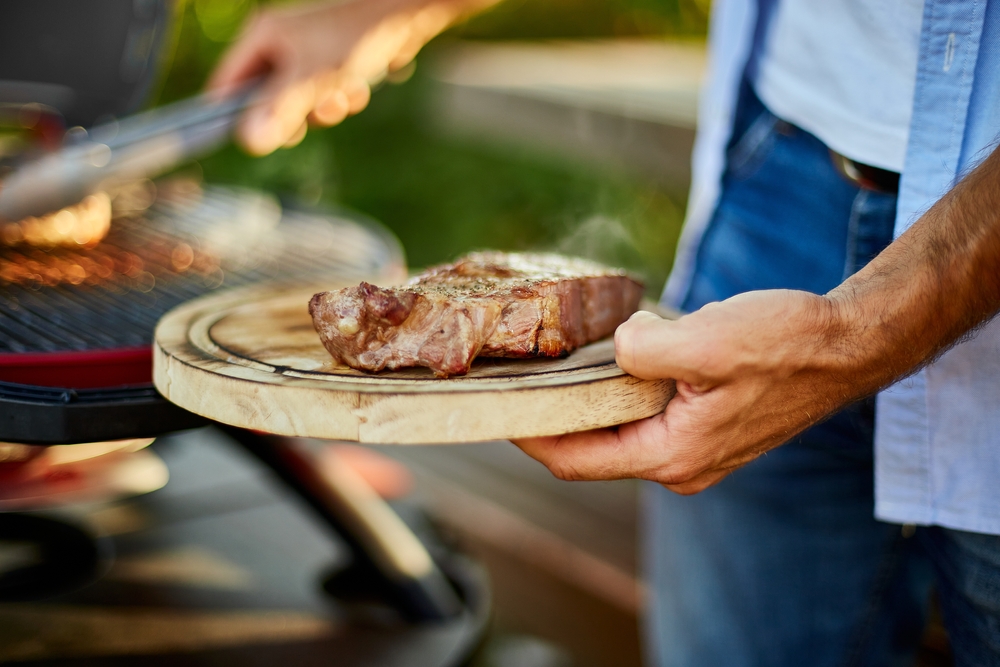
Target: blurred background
[(474, 147), (540, 124), (559, 125), (562, 125)]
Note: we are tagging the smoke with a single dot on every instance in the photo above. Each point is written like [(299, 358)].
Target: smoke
[(602, 239)]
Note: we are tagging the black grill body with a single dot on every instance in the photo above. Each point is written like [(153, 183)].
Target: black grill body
[(93, 303), (87, 59), (62, 309), (52, 416)]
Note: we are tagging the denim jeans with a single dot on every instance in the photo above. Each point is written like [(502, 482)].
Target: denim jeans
[(782, 563)]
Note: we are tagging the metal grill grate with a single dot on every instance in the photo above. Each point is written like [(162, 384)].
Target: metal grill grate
[(188, 243)]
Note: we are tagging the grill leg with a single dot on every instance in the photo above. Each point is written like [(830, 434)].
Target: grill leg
[(383, 547)]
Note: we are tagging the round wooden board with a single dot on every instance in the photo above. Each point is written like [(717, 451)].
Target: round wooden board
[(250, 358)]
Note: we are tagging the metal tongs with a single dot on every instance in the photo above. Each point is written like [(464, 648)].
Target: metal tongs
[(139, 146)]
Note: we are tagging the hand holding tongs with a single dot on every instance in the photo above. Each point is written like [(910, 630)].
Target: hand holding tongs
[(135, 147)]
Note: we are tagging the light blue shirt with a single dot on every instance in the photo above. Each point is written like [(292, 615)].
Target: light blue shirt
[(937, 435)]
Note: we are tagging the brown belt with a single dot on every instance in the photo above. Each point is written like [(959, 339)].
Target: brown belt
[(866, 176)]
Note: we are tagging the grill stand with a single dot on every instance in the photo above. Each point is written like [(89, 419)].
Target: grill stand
[(388, 559)]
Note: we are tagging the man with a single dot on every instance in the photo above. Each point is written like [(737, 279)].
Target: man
[(802, 304)]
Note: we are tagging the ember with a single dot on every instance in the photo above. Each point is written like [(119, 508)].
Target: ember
[(84, 224), (156, 255), (131, 256)]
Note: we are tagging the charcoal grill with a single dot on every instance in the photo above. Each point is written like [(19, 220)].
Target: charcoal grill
[(76, 326)]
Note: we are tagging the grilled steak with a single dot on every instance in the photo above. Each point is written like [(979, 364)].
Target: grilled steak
[(491, 304)]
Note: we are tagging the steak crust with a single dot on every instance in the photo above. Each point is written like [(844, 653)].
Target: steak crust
[(485, 304)]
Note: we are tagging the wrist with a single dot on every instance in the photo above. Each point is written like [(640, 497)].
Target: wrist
[(868, 336), (828, 327), (443, 12), (844, 336), (398, 29)]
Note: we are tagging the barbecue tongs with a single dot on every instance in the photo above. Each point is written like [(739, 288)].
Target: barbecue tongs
[(135, 147)]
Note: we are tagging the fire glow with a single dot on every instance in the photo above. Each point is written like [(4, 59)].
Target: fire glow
[(83, 224)]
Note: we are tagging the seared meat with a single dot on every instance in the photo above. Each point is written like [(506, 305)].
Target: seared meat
[(491, 304)]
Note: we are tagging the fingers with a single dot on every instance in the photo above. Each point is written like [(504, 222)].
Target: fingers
[(640, 449), (332, 107), (613, 454), (639, 344), (278, 116), (297, 138), (320, 60), (249, 56), (281, 104), (358, 93), (280, 119), (577, 456), (339, 94), (680, 448), (744, 386), (295, 91)]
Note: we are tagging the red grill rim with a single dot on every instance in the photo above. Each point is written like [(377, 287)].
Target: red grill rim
[(86, 369)]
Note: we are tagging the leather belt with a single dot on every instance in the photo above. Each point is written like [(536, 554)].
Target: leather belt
[(866, 176)]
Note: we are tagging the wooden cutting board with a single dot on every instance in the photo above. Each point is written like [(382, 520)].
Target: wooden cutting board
[(250, 358)]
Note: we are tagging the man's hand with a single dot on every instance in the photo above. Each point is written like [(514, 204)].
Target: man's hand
[(751, 371), (321, 59), (756, 369)]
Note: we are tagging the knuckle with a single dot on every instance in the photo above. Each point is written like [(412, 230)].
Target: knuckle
[(565, 471), (679, 473)]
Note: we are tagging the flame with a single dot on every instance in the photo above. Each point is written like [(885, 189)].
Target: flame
[(83, 224)]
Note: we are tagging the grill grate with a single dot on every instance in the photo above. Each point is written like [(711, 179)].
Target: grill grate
[(188, 243)]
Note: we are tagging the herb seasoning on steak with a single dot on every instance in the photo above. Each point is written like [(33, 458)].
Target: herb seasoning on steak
[(486, 304)]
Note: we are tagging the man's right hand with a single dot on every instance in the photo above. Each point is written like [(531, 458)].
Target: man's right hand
[(756, 369), (321, 59), (752, 371)]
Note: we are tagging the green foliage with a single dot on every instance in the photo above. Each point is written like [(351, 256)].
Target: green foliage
[(568, 19), (443, 196)]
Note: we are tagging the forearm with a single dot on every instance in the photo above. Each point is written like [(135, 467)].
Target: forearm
[(425, 18), (934, 284)]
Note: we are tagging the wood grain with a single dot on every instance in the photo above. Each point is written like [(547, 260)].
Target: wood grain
[(251, 358)]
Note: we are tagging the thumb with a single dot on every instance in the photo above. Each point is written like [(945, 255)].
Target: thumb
[(650, 347)]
